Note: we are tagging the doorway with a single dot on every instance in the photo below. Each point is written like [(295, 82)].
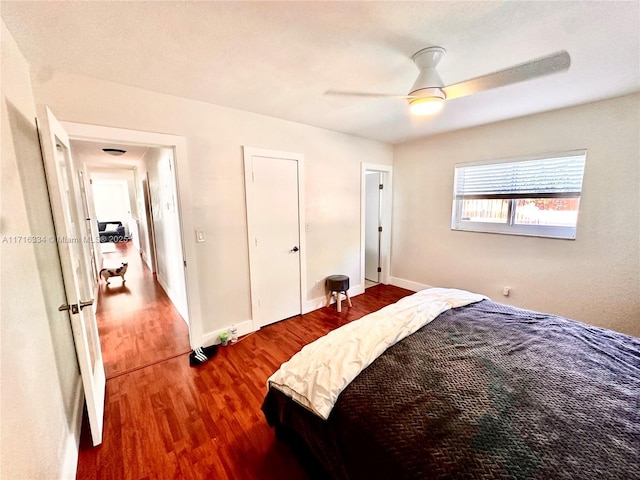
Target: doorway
[(373, 228), (274, 199), (142, 320), (180, 204), (376, 195)]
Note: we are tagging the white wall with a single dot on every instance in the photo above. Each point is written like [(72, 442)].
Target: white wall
[(114, 194), (40, 405), (111, 199), (166, 226), (595, 278), (215, 136)]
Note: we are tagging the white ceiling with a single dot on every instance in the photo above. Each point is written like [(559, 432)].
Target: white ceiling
[(278, 58)]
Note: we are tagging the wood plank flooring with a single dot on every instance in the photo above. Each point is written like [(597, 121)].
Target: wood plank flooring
[(169, 420), (137, 323)]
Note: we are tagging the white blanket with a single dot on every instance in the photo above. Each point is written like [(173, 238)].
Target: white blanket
[(316, 375)]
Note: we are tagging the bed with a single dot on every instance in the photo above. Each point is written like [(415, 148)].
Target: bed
[(480, 391)]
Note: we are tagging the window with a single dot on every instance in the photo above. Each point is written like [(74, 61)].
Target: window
[(537, 196)]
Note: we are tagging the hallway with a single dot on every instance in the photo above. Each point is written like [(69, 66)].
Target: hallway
[(138, 324)]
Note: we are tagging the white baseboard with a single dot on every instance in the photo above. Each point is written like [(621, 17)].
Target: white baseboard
[(408, 284), (213, 338)]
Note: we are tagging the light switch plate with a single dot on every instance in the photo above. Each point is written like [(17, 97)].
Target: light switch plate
[(200, 236)]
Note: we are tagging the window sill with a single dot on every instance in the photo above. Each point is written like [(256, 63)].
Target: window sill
[(557, 233)]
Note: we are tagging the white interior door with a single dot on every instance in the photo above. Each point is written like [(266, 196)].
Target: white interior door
[(66, 204), (274, 236), (372, 230)]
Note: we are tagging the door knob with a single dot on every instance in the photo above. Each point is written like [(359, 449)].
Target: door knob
[(75, 308), (294, 249), (82, 304)]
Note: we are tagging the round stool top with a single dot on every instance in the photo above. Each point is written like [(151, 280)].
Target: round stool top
[(338, 283)]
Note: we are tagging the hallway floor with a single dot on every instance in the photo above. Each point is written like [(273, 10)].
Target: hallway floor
[(138, 324)]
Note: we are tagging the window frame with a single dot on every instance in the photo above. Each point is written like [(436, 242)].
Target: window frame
[(510, 227)]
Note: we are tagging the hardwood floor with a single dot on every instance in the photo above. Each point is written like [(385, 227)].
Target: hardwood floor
[(137, 323), (169, 420)]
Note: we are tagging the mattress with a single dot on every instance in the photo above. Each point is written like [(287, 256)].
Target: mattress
[(484, 391)]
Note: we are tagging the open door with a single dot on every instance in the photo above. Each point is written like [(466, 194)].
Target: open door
[(372, 226), (64, 193)]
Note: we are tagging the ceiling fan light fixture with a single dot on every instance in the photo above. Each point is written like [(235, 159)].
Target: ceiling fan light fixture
[(114, 151), (428, 104), (428, 93)]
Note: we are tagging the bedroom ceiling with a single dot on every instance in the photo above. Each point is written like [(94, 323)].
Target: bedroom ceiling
[(278, 58)]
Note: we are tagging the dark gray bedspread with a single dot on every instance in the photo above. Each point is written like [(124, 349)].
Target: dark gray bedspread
[(484, 391)]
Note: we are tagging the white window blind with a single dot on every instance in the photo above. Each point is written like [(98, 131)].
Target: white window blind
[(541, 178), (533, 196)]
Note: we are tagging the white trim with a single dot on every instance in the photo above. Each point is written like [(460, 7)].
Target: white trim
[(540, 231), (248, 153), (80, 131), (213, 338), (387, 199), (408, 284)]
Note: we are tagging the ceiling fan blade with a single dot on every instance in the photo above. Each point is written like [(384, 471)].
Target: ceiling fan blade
[(554, 63), (346, 93)]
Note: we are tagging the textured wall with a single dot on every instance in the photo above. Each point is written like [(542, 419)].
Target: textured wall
[(595, 278)]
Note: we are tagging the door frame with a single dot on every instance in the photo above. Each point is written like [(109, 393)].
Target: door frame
[(248, 153), (87, 217), (99, 133), (386, 199), (373, 197)]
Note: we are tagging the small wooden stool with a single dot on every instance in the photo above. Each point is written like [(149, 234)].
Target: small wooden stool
[(338, 284)]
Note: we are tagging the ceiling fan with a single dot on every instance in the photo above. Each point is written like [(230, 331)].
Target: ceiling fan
[(428, 94)]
